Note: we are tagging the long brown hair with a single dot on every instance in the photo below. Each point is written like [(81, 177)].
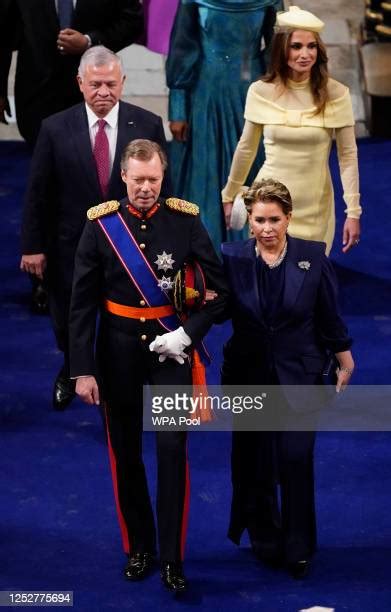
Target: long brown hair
[(279, 69)]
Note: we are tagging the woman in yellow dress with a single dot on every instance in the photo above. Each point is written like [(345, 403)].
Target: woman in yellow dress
[(297, 108)]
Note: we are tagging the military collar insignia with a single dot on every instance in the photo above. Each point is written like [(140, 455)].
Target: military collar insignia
[(105, 208), (142, 214), (164, 261)]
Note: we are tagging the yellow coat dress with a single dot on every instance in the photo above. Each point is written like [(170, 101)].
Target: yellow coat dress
[(297, 148)]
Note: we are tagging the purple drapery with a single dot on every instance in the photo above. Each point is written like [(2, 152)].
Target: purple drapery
[(159, 18)]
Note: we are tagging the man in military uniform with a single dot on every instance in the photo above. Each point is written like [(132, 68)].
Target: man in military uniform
[(134, 346)]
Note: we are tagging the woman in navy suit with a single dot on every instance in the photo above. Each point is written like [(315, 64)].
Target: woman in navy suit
[(286, 324)]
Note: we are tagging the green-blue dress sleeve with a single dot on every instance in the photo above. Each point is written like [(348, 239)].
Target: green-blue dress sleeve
[(182, 61)]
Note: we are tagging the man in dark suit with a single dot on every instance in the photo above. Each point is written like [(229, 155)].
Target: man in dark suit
[(66, 178), (50, 36)]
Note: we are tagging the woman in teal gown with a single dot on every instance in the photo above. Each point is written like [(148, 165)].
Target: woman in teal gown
[(216, 51)]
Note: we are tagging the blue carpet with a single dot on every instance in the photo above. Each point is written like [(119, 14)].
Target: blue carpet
[(58, 528)]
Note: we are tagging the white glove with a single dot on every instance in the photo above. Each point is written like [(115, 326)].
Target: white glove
[(171, 345)]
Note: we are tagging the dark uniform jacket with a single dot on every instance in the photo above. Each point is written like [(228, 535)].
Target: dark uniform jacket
[(45, 80), (99, 275), (64, 184)]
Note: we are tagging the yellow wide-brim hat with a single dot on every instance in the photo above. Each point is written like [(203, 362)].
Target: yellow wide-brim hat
[(297, 19)]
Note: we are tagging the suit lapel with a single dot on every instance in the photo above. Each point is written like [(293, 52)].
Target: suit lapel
[(294, 276), (124, 136), (248, 280), (51, 17), (81, 137)]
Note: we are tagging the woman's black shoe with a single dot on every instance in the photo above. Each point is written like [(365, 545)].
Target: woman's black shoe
[(299, 569), (138, 566), (172, 576)]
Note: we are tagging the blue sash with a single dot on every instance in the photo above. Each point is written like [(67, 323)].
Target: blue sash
[(137, 266)]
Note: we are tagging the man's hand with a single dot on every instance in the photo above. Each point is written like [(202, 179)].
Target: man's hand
[(351, 234), (172, 345), (4, 108), (34, 264), (87, 389), (71, 42), (179, 130)]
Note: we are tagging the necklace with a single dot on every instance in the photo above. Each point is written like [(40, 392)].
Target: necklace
[(279, 259)]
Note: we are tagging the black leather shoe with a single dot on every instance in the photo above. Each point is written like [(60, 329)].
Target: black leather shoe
[(39, 300), (172, 576), (138, 566), (63, 391), (299, 569)]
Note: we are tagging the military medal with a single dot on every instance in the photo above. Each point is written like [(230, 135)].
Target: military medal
[(164, 261), (165, 283)]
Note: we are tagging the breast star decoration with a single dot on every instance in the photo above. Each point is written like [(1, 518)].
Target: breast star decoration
[(164, 261), (165, 283)]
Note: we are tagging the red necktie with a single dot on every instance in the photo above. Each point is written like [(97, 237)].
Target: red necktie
[(102, 157)]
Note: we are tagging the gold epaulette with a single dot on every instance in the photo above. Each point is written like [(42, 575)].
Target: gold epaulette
[(102, 209), (182, 206)]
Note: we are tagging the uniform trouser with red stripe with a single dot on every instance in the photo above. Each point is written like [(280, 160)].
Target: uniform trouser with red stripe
[(126, 364)]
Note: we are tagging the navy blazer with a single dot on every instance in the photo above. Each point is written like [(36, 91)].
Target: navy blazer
[(307, 325), (64, 184)]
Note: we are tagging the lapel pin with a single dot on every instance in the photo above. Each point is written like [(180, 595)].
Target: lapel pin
[(304, 265), (130, 122)]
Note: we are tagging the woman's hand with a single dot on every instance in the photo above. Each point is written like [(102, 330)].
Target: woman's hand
[(351, 234), (227, 213), (345, 370), (179, 130)]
